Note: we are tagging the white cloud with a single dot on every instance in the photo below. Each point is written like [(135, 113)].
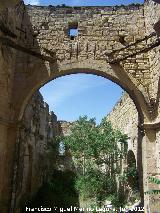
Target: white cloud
[(32, 2), (56, 92)]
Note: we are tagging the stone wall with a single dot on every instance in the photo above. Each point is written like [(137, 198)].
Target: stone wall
[(124, 117), (11, 18), (152, 17), (152, 147), (100, 30), (65, 127), (8, 3), (33, 167), (65, 160)]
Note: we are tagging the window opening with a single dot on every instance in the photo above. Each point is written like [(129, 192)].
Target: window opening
[(73, 30)]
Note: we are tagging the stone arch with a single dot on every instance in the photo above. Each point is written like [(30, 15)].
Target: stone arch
[(115, 73), (130, 157), (132, 170), (41, 73), (25, 80)]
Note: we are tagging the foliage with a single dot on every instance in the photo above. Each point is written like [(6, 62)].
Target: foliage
[(97, 151), (118, 200), (130, 176), (132, 171), (58, 192), (52, 146), (156, 181)]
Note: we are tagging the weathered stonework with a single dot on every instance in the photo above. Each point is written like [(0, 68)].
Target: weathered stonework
[(65, 127), (100, 31), (35, 48), (32, 166), (124, 117)]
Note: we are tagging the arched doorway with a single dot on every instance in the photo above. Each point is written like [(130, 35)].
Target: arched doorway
[(132, 170), (107, 91)]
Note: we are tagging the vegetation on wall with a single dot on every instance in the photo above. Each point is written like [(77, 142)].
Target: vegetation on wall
[(155, 181), (58, 192)]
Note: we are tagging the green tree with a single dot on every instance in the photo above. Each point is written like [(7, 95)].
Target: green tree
[(96, 151)]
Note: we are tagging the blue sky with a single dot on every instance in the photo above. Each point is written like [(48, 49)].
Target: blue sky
[(81, 94), (82, 2)]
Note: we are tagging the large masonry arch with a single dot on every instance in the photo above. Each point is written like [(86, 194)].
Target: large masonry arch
[(102, 69), (113, 42)]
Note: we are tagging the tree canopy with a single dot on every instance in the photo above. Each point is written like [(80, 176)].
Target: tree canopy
[(97, 152)]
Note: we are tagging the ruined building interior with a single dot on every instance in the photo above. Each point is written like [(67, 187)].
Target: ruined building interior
[(119, 43)]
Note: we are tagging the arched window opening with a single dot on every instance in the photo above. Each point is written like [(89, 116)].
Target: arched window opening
[(61, 148), (132, 171)]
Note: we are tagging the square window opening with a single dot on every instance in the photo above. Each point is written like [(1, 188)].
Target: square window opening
[(73, 32)]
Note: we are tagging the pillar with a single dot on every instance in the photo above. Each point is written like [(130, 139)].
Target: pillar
[(151, 167), (8, 134)]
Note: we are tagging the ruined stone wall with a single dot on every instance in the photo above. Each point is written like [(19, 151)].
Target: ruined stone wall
[(34, 164), (124, 117), (7, 71), (65, 127), (152, 20), (100, 30), (7, 3), (45, 30), (38, 130), (65, 161), (152, 17)]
